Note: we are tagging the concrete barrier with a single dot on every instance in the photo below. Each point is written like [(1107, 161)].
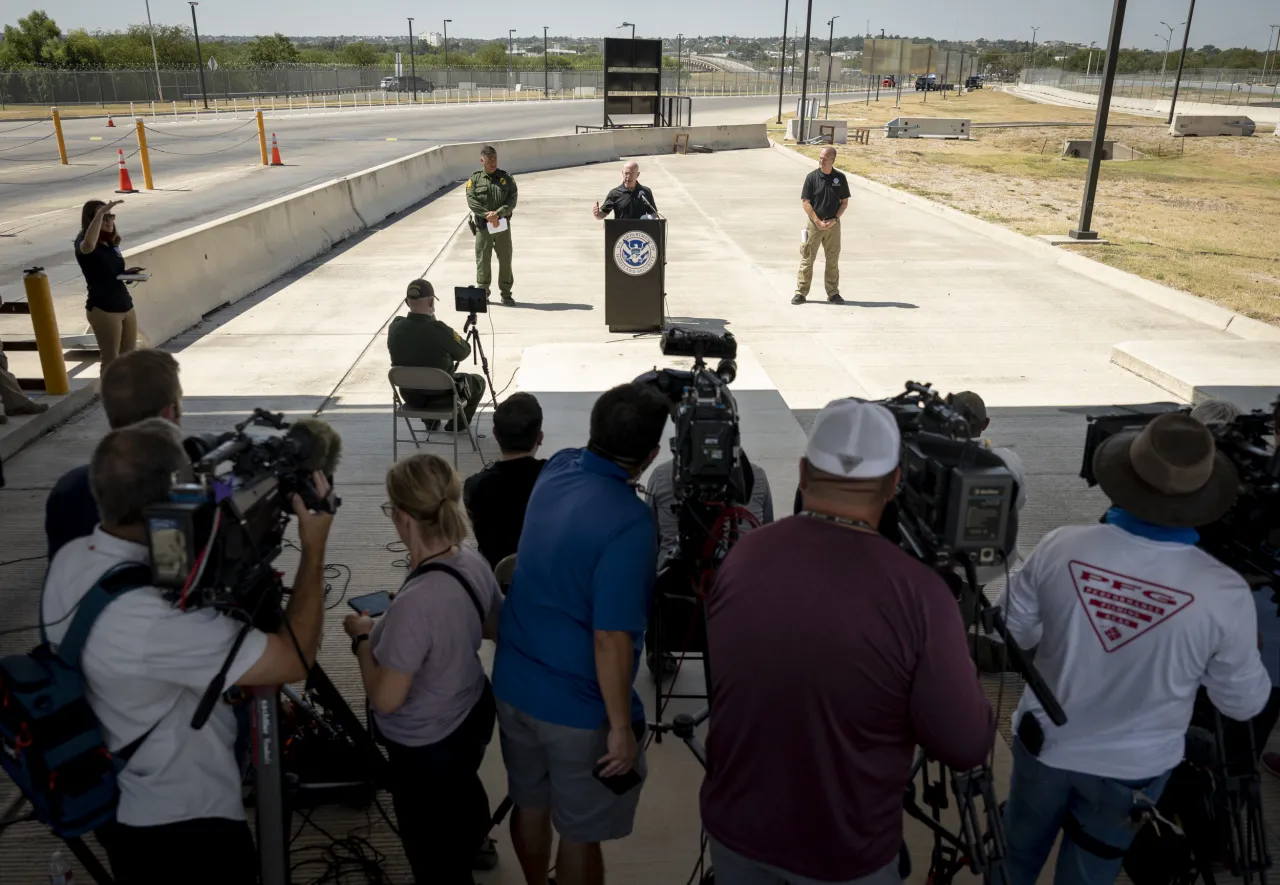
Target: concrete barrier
[(1188, 124), (222, 261), (839, 129), (927, 127), (1111, 150)]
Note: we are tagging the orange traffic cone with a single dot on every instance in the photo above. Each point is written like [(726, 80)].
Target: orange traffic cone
[(275, 151), (111, 124), (126, 186)]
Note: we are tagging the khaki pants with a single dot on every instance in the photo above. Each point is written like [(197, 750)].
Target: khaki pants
[(117, 333), (829, 242), (11, 395)]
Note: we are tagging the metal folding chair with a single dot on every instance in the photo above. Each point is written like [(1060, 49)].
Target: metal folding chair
[(430, 381)]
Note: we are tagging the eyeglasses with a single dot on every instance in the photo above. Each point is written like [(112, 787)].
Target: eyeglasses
[(388, 510), (109, 217)]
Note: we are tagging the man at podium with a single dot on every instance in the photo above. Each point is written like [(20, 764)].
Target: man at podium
[(631, 199)]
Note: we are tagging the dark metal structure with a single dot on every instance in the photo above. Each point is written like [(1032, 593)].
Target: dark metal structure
[(632, 81), (1084, 227)]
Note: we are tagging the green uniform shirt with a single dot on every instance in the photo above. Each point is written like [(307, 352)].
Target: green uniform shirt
[(425, 342), (491, 193)]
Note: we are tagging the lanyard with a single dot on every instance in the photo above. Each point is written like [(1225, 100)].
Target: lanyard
[(856, 524)]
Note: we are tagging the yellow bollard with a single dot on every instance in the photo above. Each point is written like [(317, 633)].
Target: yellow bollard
[(146, 157), (62, 145), (262, 138), (48, 342)]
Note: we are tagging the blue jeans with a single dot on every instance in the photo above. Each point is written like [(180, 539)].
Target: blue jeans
[(1040, 800)]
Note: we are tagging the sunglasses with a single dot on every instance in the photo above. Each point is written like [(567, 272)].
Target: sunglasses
[(110, 216)]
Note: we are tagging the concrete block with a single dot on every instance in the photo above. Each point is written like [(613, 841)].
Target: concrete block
[(1111, 150), (584, 92), (1246, 373), (1188, 124), (927, 127), (817, 128)]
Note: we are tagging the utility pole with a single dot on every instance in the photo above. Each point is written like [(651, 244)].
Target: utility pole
[(831, 36), (413, 67), (1084, 227), (546, 66), (446, 58), (156, 59), (782, 57), (199, 58), (804, 82), (1177, 81)]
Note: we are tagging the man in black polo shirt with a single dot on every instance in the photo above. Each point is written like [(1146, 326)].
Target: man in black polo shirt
[(825, 196), (631, 199), (497, 496)]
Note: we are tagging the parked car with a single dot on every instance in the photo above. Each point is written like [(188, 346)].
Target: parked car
[(406, 84), (927, 83), (888, 81), (973, 82)]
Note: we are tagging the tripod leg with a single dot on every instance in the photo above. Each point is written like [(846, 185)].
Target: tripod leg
[(97, 872)]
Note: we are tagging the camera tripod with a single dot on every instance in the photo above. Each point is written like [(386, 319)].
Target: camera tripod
[(471, 335), (979, 846)]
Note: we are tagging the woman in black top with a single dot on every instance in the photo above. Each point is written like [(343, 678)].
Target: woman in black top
[(110, 306)]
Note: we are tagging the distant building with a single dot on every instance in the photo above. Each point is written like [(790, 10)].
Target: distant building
[(435, 38)]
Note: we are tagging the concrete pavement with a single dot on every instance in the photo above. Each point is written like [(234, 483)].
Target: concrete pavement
[(927, 300)]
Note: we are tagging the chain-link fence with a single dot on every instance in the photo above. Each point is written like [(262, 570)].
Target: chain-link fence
[(1210, 85), (68, 88)]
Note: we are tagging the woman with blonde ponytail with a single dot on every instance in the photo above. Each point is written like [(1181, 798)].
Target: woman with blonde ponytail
[(431, 703)]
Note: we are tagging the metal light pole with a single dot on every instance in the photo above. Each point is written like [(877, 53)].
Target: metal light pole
[(831, 36), (804, 82), (782, 58), (413, 67), (446, 58), (1177, 81), (156, 59), (1272, 35), (679, 63), (546, 66), (1084, 228), (510, 48), (631, 25), (199, 58), (1168, 40), (1031, 61), (1089, 70)]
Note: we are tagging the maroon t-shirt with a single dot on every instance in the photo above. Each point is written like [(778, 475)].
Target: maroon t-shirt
[(832, 655)]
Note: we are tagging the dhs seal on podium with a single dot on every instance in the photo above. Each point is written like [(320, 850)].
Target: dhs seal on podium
[(635, 253)]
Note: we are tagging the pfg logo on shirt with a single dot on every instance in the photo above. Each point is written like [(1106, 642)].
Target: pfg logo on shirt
[(635, 253), (1121, 608)]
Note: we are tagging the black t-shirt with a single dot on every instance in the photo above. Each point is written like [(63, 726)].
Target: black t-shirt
[(70, 512), (824, 192), (628, 204), (100, 268), (496, 500)]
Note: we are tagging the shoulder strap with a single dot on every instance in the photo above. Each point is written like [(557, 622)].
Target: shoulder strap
[(457, 576), (119, 580)]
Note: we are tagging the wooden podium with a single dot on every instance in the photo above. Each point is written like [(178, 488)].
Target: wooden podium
[(634, 274)]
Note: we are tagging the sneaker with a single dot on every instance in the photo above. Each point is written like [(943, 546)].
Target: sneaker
[(507, 299), (30, 407), (1271, 763), (835, 298), (798, 299), (486, 857)]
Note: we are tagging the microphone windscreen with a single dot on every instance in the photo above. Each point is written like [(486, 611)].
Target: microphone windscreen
[(321, 444)]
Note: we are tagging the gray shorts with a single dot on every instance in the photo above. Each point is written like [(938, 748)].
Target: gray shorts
[(550, 766), (734, 869)]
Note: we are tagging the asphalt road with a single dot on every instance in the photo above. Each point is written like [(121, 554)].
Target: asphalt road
[(205, 170)]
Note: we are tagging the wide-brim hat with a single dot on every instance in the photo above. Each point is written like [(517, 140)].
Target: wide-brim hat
[(1169, 474)]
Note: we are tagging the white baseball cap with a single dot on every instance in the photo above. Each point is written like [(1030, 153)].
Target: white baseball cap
[(854, 439)]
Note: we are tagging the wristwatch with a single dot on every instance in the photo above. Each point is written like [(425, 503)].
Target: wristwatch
[(356, 640)]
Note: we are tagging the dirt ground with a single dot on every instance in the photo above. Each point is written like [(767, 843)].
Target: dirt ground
[(1199, 214)]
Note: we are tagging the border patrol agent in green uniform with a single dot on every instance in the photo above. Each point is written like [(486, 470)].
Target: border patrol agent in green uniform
[(421, 340), (491, 195)]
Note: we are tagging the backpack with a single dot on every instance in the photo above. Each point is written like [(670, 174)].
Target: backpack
[(50, 741)]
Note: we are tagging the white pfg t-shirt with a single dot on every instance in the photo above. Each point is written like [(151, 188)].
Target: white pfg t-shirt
[(1127, 630), (145, 662)]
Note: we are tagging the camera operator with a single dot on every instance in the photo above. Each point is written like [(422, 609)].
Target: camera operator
[(833, 654), (662, 497), (147, 665), (421, 340), (1215, 412), (136, 385), (431, 703), (569, 644), (1100, 603)]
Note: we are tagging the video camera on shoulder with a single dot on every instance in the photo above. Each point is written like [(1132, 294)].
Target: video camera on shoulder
[(214, 541)]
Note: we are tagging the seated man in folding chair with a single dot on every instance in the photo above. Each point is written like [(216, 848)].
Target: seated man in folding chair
[(422, 341)]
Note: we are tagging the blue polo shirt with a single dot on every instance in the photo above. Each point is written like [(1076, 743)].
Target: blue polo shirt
[(586, 562)]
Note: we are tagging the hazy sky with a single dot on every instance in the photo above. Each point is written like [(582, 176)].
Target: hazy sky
[(1224, 23)]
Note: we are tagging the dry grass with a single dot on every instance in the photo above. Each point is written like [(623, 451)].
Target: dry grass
[(1197, 214)]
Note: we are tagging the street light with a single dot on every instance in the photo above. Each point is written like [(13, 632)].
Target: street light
[(1271, 37), (510, 49), (804, 81), (1032, 60), (413, 67), (632, 26), (546, 66), (679, 63), (1089, 70), (446, 58), (782, 59), (831, 36), (199, 58), (1167, 42), (156, 59), (1182, 59)]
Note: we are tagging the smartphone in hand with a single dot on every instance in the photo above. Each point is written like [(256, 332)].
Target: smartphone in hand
[(374, 603), (620, 784)]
